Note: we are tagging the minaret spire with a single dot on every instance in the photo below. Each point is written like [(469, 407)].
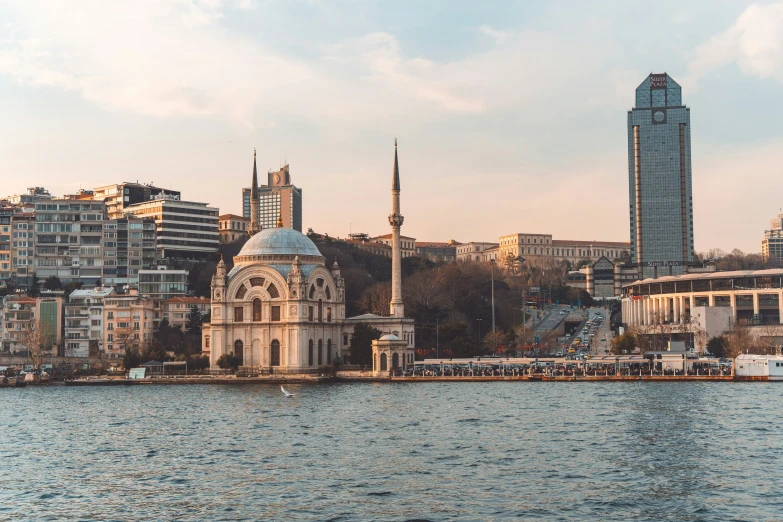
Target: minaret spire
[(395, 220), (254, 226)]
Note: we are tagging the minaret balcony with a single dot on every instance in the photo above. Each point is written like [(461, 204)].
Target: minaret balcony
[(396, 220)]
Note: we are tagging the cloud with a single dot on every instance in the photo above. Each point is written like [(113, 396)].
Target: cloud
[(496, 34), (754, 43)]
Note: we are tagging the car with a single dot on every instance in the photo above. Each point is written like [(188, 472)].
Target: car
[(559, 354)]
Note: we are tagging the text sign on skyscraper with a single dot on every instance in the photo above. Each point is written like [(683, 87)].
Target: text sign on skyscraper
[(658, 81)]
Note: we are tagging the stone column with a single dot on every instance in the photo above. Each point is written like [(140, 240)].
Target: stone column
[(780, 306), (755, 303), (677, 319), (665, 303), (711, 299)]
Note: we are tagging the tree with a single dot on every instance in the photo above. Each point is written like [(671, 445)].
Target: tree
[(361, 343), (375, 299), (493, 341), (193, 324), (35, 338), (625, 343), (228, 361), (738, 340), (132, 358), (716, 346), (53, 283)]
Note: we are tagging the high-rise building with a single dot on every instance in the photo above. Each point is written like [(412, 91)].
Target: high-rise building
[(121, 195), (5, 248), (33, 195), (84, 333), (772, 244), (185, 229), (69, 240), (128, 247), (22, 248), (278, 198), (659, 175)]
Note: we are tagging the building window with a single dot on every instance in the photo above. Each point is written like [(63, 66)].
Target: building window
[(310, 353), (275, 353), (275, 313), (328, 314), (273, 293), (320, 311), (328, 351), (345, 339), (310, 313), (256, 309), (328, 293), (241, 292), (239, 351), (238, 315), (206, 342), (320, 352)]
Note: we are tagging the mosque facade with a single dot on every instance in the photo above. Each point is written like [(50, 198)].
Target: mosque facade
[(281, 308)]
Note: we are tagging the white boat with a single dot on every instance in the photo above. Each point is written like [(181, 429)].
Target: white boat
[(761, 367)]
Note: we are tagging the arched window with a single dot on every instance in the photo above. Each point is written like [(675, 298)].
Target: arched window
[(384, 364), (275, 353), (328, 351), (239, 351), (241, 292), (256, 309), (395, 361), (319, 282), (320, 311), (256, 281), (312, 291), (328, 292), (310, 353), (273, 293), (320, 352)]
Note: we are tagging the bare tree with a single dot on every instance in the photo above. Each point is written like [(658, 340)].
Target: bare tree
[(375, 299), (738, 340), (36, 338), (493, 341)]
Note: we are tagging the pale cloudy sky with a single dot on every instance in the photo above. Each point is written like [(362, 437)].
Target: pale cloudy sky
[(511, 116)]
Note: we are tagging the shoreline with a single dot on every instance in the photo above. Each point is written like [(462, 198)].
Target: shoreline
[(306, 379)]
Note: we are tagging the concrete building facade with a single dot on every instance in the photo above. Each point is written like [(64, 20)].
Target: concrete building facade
[(129, 247), (130, 320), (69, 240), (233, 228), (473, 251), (84, 327), (162, 282), (119, 196)]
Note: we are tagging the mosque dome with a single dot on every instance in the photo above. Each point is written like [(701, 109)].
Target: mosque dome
[(279, 241)]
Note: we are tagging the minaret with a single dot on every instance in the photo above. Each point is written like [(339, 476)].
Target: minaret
[(395, 220), (254, 227)]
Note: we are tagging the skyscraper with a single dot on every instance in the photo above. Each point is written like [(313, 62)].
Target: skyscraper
[(278, 199), (659, 178)]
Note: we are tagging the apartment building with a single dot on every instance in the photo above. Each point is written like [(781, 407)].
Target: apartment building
[(84, 334), (177, 309), (129, 320), (22, 248), (119, 196), (6, 271), (233, 228), (185, 229), (21, 313), (129, 247), (437, 251), (163, 282), (68, 240)]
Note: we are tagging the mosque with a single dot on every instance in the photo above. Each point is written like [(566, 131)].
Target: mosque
[(281, 309)]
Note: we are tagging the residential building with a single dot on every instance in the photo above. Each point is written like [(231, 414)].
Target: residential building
[(163, 282), (407, 244), (473, 251), (437, 252), (6, 270), (185, 229), (130, 321), (233, 228), (129, 245), (18, 314), (278, 199), (119, 196), (84, 333), (49, 316), (23, 248), (659, 179), (33, 195), (68, 240), (177, 309)]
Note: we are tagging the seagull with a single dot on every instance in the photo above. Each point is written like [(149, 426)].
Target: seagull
[(288, 395)]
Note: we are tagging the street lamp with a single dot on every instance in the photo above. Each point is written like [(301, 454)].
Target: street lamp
[(479, 329)]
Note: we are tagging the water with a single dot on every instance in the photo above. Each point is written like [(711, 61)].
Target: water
[(436, 451)]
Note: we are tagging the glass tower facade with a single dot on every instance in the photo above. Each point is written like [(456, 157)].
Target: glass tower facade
[(659, 178)]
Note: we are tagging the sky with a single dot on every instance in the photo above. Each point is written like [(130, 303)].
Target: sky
[(510, 116)]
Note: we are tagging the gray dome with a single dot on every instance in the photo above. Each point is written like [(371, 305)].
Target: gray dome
[(389, 337), (279, 241)]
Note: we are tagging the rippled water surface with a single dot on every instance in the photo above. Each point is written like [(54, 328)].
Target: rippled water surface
[(437, 451)]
